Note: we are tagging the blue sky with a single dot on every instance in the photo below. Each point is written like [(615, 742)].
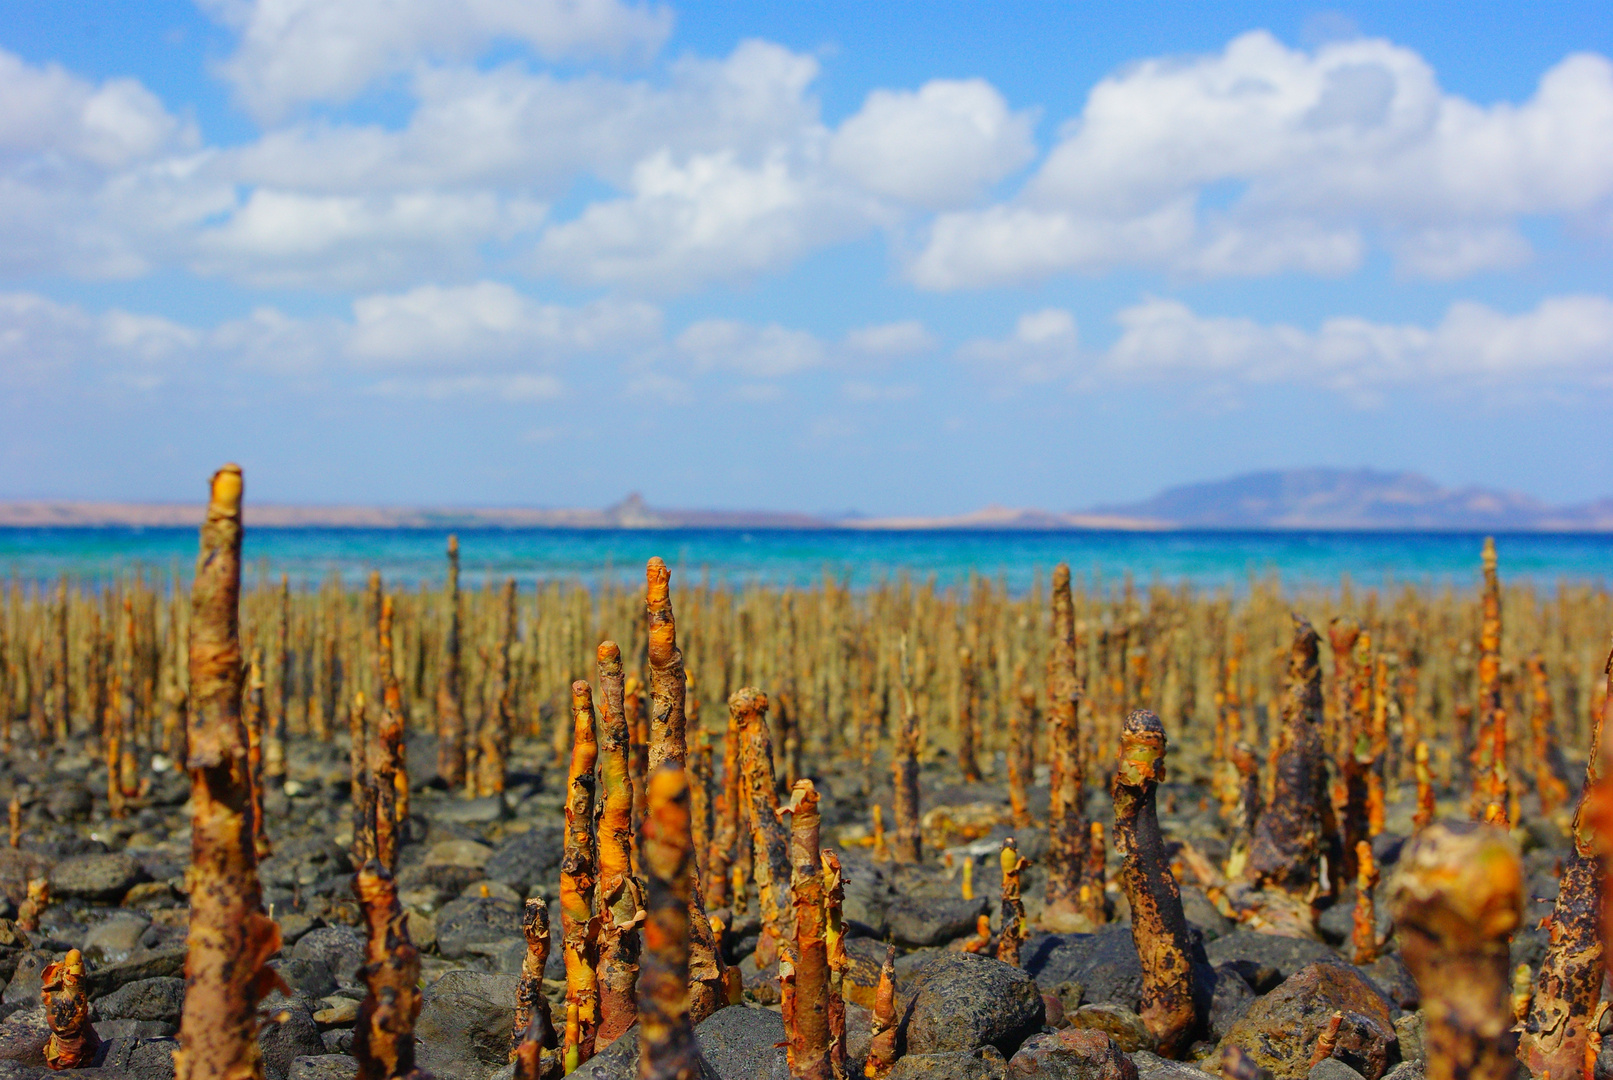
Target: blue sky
[(892, 258)]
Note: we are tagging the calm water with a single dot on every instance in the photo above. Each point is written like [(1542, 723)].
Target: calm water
[(1212, 559)]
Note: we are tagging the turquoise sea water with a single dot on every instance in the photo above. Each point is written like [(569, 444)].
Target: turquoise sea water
[(1207, 559)]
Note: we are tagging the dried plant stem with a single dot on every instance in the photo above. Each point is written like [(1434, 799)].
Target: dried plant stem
[(450, 687), (73, 1042), (533, 1046), (882, 1043), (1288, 836), (1066, 823), (906, 847), (770, 862), (1011, 937)]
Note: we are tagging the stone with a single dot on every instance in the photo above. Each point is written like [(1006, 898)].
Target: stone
[(1122, 1025), (986, 1063), (162, 963), (310, 978), (741, 1043), (1331, 1068), (458, 852), (112, 941), (23, 1035), (339, 948), (1414, 1070), (293, 925), (144, 999), (1409, 1030), (323, 1067), (1394, 980), (337, 1040), (107, 1030), (1230, 998), (480, 811), (495, 890), (960, 1001), (17, 868), (1204, 914), (336, 1012), (859, 1034), (528, 861), (102, 877), (1264, 960), (1150, 1066), (26, 981), (862, 977), (914, 920), (1071, 1054), (1105, 965), (1280, 1029), (475, 921), (465, 1024), (150, 895), (293, 1037)]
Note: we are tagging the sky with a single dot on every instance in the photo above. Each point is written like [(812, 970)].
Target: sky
[(884, 258)]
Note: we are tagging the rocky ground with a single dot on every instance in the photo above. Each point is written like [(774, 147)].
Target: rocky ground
[(119, 895)]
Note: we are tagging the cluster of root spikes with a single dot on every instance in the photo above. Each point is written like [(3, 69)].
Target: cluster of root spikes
[(1098, 751)]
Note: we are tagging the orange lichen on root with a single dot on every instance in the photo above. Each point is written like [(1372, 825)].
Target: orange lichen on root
[(619, 898), (383, 1037), (73, 1042), (667, 1048), (1013, 934), (578, 873), (231, 938), (1365, 931), (533, 1047), (806, 1020), (882, 1041)]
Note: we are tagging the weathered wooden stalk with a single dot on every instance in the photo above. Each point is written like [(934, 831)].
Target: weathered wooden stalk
[(578, 875), (806, 1024), (619, 896), (667, 1049)]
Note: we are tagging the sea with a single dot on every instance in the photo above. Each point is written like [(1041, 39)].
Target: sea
[(1213, 560)]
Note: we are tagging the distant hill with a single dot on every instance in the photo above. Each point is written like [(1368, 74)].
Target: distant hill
[(1293, 499), (1354, 499)]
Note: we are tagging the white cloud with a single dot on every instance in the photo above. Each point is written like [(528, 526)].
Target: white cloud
[(1562, 343), (939, 146), (489, 322), (1262, 158), (1044, 347), (891, 339), (503, 387), (758, 352), (296, 51)]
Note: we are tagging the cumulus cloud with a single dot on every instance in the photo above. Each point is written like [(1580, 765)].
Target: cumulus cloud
[(483, 339), (292, 52), (1563, 342), (1262, 158), (939, 146), (904, 338), (757, 352)]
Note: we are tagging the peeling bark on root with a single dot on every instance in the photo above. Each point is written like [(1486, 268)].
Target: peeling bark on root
[(620, 897), (1066, 819), (667, 1049), (1158, 926), (230, 937), (73, 1042), (533, 1037), (1288, 836), (578, 870), (383, 1037), (1458, 896), (806, 1023)]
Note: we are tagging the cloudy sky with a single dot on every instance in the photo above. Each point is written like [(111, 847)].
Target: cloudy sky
[(894, 258)]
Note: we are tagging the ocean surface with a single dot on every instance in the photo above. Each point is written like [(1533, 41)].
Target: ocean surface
[(414, 557)]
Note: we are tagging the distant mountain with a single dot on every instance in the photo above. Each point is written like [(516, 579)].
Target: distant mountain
[(1294, 499), (1354, 499)]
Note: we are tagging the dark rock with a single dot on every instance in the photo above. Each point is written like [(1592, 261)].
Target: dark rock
[(339, 948), (164, 963), (68, 802), (323, 1067), (1409, 1029), (465, 1024), (480, 811), (618, 1061), (1281, 1028), (294, 1037), (1105, 964), (528, 861), (1413, 1070), (1264, 960), (102, 877), (1331, 1068), (914, 920), (23, 1035), (1071, 1054), (742, 1044), (960, 1001), (311, 978), (337, 1040), (144, 999), (862, 977), (17, 868), (1203, 914), (1394, 980), (25, 985), (986, 1063), (476, 920), (1229, 1000)]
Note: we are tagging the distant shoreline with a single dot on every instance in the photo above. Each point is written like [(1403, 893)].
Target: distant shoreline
[(136, 516)]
